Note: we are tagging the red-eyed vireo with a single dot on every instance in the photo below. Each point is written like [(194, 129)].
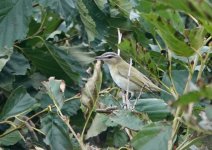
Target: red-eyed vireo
[(119, 70)]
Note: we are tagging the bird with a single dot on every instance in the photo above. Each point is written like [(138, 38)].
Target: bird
[(119, 71)]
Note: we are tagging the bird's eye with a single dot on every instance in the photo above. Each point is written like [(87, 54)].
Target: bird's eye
[(110, 57)]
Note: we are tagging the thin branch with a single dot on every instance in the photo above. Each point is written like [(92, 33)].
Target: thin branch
[(66, 121), (128, 84), (119, 40), (107, 110)]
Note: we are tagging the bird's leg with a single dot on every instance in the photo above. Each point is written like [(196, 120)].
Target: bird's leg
[(131, 95), (136, 100), (127, 101), (124, 99)]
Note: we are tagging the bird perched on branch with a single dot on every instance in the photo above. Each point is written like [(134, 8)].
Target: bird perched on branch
[(126, 76)]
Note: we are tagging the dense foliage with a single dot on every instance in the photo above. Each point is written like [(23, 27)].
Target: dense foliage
[(53, 94)]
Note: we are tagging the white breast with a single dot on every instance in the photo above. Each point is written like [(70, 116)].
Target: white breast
[(122, 82)]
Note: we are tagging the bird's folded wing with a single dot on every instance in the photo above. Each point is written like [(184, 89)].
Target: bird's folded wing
[(138, 78)]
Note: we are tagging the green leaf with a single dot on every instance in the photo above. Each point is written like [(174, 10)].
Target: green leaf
[(127, 119), (152, 137), (55, 91), (141, 57), (17, 65), (201, 10), (93, 19), (5, 54), (174, 40), (179, 79), (71, 107), (195, 96), (46, 27), (98, 125), (10, 139), (65, 8), (109, 100), (18, 102), (52, 61), (14, 20), (174, 19), (6, 80), (156, 109), (120, 138), (79, 54), (56, 132), (124, 6), (32, 82), (102, 5)]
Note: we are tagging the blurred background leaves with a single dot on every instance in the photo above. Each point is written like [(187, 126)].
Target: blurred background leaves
[(169, 41)]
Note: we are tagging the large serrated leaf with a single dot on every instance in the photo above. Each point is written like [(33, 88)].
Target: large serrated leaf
[(127, 119), (93, 19), (156, 109), (56, 132), (18, 102), (98, 125), (65, 8), (53, 61), (152, 137), (17, 65), (14, 20), (124, 6)]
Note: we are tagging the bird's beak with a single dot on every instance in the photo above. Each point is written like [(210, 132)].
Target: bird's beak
[(99, 58)]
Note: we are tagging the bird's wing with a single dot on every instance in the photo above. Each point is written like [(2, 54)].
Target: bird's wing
[(137, 78)]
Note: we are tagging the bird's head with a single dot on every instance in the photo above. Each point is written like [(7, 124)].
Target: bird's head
[(110, 58)]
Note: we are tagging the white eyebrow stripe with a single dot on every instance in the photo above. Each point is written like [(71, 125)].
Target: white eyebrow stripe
[(109, 55)]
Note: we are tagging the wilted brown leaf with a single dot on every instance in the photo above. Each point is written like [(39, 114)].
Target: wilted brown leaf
[(91, 90)]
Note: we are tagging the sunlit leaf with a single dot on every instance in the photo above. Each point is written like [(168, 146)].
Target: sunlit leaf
[(152, 137), (200, 9), (173, 38), (156, 109), (195, 96)]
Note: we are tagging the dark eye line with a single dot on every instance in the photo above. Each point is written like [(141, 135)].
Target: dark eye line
[(110, 57)]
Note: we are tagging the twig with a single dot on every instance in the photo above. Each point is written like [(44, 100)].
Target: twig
[(184, 147), (128, 83), (66, 121), (107, 110), (119, 40)]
